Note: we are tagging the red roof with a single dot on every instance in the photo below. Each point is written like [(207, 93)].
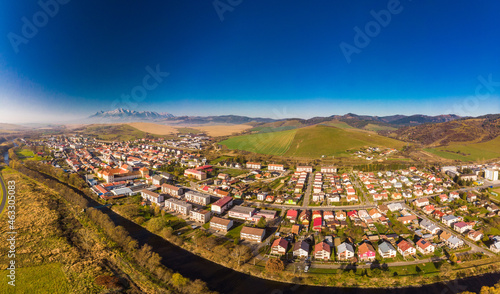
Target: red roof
[(292, 213), (281, 242), (223, 201)]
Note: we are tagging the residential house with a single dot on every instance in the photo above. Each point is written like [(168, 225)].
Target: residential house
[(276, 167), (450, 219), (425, 247), (172, 190), (328, 169), (462, 227), (386, 250), (366, 252), (475, 235), (252, 234), (301, 249), (421, 202), (307, 169), (221, 224), (405, 248), (200, 215), (291, 214), (179, 206), (197, 174), (253, 165), (279, 246), (429, 226), (198, 198), (155, 198), (322, 251), (345, 251)]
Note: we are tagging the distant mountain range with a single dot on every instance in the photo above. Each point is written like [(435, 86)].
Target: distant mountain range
[(121, 114), (125, 115)]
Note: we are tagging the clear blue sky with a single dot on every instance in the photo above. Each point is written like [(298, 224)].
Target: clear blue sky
[(259, 58)]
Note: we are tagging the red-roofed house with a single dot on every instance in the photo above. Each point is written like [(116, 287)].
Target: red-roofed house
[(279, 246)]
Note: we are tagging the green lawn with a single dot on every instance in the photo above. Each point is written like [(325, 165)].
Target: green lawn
[(219, 159), (47, 278), (234, 233)]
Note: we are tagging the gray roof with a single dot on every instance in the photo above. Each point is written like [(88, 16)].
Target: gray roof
[(385, 247), (344, 247)]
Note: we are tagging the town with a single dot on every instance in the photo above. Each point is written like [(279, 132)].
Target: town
[(306, 216)]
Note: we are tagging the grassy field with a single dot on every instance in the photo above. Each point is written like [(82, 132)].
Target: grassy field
[(223, 130), (154, 128), (188, 131), (312, 142), (338, 124), (46, 261), (376, 128), (321, 140), (49, 277), (469, 152), (114, 132), (272, 129), (234, 233), (276, 143)]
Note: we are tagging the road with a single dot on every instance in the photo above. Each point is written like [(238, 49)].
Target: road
[(307, 194), (360, 188)]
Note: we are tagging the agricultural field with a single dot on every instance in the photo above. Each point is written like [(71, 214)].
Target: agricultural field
[(276, 143), (311, 142), (376, 128), (114, 132), (469, 152), (338, 124), (316, 141), (223, 130), (154, 128)]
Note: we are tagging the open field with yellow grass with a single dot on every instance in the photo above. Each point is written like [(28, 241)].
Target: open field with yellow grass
[(153, 128), (222, 130)]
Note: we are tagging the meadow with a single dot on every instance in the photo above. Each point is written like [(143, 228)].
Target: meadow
[(319, 140), (469, 152), (275, 143), (311, 142)]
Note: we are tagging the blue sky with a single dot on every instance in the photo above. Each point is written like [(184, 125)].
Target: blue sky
[(257, 58)]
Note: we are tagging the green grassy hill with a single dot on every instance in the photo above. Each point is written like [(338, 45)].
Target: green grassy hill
[(273, 143), (469, 152), (321, 140), (313, 141)]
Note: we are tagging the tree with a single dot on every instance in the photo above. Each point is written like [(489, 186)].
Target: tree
[(453, 258), (262, 222), (241, 253), (274, 265)]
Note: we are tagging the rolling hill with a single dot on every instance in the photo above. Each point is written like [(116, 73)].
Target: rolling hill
[(114, 132), (467, 130), (312, 142), (319, 140), (469, 152)]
